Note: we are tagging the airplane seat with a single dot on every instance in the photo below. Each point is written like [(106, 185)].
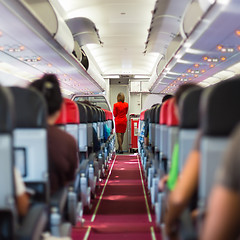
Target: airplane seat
[(189, 104), (35, 221), (30, 146), (152, 127), (172, 125), (155, 165), (141, 128), (74, 207), (73, 118), (220, 113), (83, 147), (62, 119), (89, 128), (159, 197), (189, 122), (146, 135), (163, 147), (112, 135), (82, 133), (157, 128), (30, 141)]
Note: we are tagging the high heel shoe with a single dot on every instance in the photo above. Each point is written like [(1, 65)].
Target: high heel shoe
[(120, 152)]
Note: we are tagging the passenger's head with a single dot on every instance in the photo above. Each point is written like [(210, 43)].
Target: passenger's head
[(48, 85), (120, 97), (166, 97), (182, 89)]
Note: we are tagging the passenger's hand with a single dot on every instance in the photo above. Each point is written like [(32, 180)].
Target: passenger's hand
[(162, 183)]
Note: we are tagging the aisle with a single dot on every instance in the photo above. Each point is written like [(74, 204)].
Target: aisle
[(121, 211)]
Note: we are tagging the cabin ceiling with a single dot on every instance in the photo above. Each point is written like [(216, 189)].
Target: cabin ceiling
[(123, 29), (161, 44)]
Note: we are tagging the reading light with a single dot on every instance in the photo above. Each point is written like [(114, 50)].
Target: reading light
[(237, 32), (223, 59)]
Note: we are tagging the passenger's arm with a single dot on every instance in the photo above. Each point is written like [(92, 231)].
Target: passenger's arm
[(223, 215), (22, 204), (114, 111), (183, 191)]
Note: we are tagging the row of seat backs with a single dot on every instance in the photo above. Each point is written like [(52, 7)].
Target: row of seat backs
[(77, 112), (215, 111)]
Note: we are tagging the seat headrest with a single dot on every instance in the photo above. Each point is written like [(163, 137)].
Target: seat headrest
[(62, 119), (82, 112), (164, 113), (106, 113), (7, 116), (172, 119), (152, 114), (95, 114), (72, 111), (189, 108), (157, 113), (89, 113), (110, 115), (30, 108), (147, 115), (142, 115), (220, 108)]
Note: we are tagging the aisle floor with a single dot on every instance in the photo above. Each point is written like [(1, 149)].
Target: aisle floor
[(121, 209)]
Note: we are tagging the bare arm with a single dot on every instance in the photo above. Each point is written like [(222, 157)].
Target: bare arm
[(22, 204), (183, 191), (223, 215)]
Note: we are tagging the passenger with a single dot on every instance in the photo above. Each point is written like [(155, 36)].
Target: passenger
[(120, 110), (166, 97), (173, 173), (62, 147), (183, 188), (223, 211)]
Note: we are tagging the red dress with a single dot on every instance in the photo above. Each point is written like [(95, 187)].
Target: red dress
[(120, 110)]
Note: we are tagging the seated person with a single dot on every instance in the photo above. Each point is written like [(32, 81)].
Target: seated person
[(62, 147), (223, 211), (183, 188)]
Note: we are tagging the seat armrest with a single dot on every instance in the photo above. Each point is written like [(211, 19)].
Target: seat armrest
[(34, 223)]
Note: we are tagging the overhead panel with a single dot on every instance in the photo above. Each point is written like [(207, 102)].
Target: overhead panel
[(212, 46), (35, 51)]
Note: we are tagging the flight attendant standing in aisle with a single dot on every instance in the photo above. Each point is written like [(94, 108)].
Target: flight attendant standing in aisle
[(120, 110)]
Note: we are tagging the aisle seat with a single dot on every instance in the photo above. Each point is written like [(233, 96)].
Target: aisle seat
[(73, 118), (33, 224), (172, 126), (220, 113), (189, 123)]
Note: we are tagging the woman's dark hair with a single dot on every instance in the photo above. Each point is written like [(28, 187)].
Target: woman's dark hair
[(48, 85), (120, 97), (166, 97)]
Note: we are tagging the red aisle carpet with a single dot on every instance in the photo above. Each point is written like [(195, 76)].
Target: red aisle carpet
[(121, 213)]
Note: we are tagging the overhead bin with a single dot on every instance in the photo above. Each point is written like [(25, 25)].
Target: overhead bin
[(43, 11), (210, 44), (83, 30), (165, 24), (37, 48)]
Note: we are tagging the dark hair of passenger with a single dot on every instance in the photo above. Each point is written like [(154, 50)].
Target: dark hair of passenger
[(120, 97), (48, 85), (182, 88), (166, 97)]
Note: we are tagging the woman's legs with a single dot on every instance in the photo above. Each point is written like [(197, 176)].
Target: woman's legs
[(119, 139)]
